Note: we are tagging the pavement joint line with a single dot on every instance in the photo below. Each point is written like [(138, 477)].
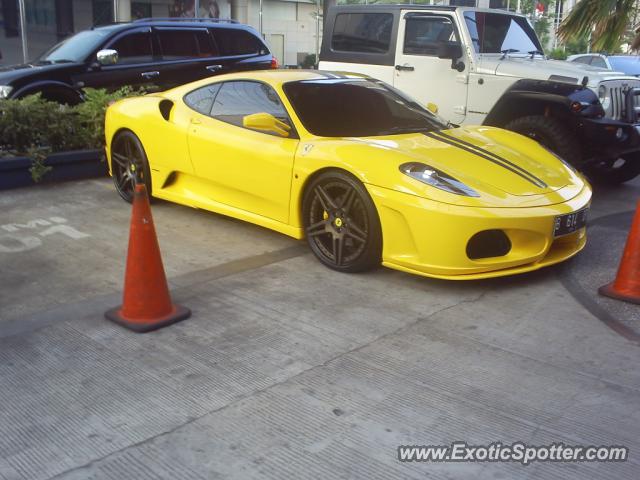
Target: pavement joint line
[(538, 360), (583, 298), (88, 307), (247, 395)]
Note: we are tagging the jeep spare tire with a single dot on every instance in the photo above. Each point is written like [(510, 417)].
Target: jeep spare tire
[(551, 133)]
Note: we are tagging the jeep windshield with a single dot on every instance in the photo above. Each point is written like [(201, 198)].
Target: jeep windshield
[(357, 108), (500, 33), (76, 48)]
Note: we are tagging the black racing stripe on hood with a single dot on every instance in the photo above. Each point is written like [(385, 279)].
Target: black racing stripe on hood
[(486, 157), (481, 151)]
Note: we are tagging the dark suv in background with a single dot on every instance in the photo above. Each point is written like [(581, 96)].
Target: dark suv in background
[(155, 53)]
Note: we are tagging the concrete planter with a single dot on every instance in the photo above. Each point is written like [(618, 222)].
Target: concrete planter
[(75, 165)]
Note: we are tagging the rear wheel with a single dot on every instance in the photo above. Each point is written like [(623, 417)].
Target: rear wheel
[(341, 223), (129, 164), (551, 133)]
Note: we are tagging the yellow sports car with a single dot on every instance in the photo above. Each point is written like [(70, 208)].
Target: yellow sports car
[(366, 174)]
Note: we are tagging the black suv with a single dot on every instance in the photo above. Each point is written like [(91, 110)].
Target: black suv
[(156, 53)]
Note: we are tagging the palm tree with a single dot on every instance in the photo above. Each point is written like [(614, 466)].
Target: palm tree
[(605, 20)]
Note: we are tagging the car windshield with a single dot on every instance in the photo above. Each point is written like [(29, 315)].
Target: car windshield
[(76, 48), (629, 65), (357, 108), (498, 33)]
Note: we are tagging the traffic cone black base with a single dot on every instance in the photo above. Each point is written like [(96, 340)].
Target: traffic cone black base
[(180, 313)]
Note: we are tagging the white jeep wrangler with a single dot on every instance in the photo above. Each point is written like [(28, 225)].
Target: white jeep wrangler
[(484, 66)]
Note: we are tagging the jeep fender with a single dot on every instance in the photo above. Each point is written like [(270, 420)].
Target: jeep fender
[(543, 97), (52, 90)]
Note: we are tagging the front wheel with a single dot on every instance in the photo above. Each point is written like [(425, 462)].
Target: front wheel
[(615, 172), (341, 223), (551, 133)]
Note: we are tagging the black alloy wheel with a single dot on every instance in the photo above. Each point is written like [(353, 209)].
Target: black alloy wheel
[(341, 223), (129, 165)]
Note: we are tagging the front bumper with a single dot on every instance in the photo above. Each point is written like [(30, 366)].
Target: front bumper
[(601, 135), (428, 238)]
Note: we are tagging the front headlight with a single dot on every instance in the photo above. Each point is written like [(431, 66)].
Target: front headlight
[(5, 91), (437, 178), (603, 96)]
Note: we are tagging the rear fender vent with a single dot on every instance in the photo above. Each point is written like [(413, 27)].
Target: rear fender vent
[(487, 244), (165, 108)]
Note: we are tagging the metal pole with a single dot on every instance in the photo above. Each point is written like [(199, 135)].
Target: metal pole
[(518, 7), (196, 5), (116, 10), (261, 19), (23, 30), (317, 32)]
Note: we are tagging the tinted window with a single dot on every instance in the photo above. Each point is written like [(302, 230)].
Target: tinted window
[(178, 44), (629, 65), (357, 108), (134, 48), (201, 100), (494, 33), (362, 32), (424, 34), (238, 42), (237, 99), (78, 47), (586, 59), (598, 62)]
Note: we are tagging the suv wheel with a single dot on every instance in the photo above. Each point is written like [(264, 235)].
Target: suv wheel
[(551, 133), (614, 172)]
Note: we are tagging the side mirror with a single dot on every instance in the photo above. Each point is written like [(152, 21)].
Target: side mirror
[(452, 51), (107, 57), (267, 123), (433, 108)]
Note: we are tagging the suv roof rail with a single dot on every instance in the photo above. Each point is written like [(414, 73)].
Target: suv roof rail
[(185, 19)]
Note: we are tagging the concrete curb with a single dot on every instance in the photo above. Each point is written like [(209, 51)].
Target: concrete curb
[(74, 165)]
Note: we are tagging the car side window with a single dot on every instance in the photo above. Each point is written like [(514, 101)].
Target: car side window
[(598, 62), (178, 44), (201, 100), (238, 42), (237, 99), (134, 48), (423, 35)]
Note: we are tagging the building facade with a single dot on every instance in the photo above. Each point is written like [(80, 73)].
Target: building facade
[(290, 27)]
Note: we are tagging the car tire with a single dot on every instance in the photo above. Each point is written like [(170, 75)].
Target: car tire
[(341, 223), (129, 164), (551, 133), (615, 172)]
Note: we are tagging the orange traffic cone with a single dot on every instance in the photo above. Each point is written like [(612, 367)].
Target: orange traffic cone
[(626, 286), (146, 303)]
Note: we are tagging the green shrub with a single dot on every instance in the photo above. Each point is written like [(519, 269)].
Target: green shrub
[(35, 127), (558, 54)]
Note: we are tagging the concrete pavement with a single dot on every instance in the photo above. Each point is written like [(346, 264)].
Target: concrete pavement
[(286, 370)]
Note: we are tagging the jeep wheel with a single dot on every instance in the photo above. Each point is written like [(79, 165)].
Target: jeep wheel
[(551, 133), (614, 172)]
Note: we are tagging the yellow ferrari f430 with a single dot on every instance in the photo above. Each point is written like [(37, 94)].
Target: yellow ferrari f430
[(364, 173)]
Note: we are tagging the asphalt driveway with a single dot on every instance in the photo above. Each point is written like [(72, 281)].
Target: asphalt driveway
[(288, 370)]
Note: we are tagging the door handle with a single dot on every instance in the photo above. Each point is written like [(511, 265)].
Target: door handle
[(149, 75), (406, 68), (214, 68)]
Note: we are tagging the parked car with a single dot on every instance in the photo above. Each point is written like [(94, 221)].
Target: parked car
[(627, 64), (160, 53), (366, 174), (483, 66)]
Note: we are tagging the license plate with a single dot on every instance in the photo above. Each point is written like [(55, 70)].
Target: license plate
[(566, 224)]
